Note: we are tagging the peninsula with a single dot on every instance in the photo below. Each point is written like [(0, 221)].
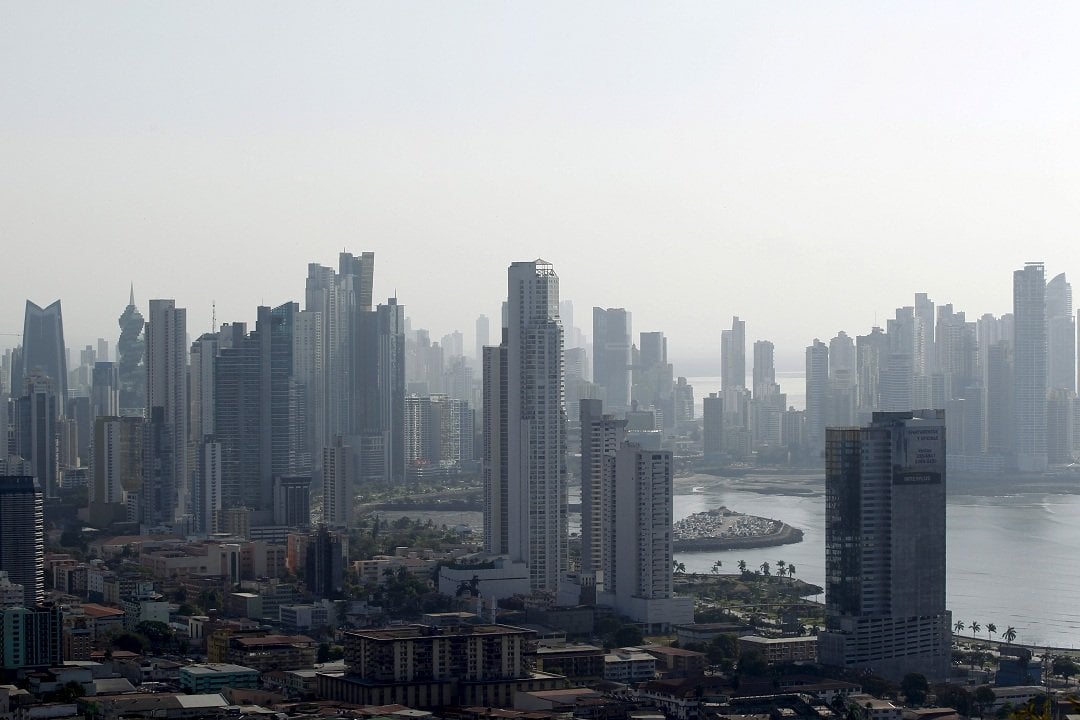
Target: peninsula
[(724, 529)]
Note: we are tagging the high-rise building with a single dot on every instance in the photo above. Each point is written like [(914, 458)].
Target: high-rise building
[(167, 404), (641, 580), (105, 390), (338, 463), (1029, 367), (31, 636), (712, 412), (257, 410), (1061, 335), (924, 335), (379, 404), (885, 547), (817, 391), (37, 415), (496, 461), (43, 349), (22, 535), (611, 356), (131, 352), (764, 370), (117, 471), (483, 336), (327, 556), (733, 355), (601, 437), (292, 501), (536, 425), (870, 353)]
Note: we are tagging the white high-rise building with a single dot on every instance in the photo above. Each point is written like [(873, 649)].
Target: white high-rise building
[(1029, 367), (167, 394), (536, 518), (641, 585)]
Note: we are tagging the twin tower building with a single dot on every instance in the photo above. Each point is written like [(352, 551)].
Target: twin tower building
[(626, 490)]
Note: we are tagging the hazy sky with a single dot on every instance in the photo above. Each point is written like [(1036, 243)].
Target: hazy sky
[(807, 166)]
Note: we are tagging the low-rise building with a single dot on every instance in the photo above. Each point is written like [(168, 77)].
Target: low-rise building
[(872, 708), (213, 677), (629, 665), (577, 662), (781, 650), (425, 666), (677, 662)]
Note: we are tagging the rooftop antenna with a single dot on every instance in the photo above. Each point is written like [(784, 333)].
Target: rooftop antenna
[(213, 315)]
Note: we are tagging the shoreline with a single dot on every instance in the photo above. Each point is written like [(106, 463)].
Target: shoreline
[(725, 529), (787, 535)]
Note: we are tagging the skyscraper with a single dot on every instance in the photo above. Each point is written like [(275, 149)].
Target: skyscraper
[(817, 391), (1029, 367), (1061, 335), (536, 424), (43, 349), (483, 337), (496, 461), (338, 484), (167, 403), (885, 547), (601, 436), (37, 415), (733, 355), (764, 370), (611, 356), (22, 535), (130, 352)]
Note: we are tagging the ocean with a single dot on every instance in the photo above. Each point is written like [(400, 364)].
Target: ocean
[(1013, 555)]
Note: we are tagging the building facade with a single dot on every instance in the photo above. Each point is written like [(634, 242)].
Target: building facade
[(885, 547)]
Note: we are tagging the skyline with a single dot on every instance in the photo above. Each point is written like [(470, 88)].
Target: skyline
[(743, 155)]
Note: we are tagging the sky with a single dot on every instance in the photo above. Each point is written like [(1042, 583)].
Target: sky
[(806, 166)]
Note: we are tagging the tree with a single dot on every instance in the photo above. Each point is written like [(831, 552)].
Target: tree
[(722, 649), (959, 626), (742, 566), (157, 633), (1064, 667), (716, 567), (975, 627), (765, 568), (791, 570), (677, 566), (323, 653), (983, 698), (1009, 634), (954, 696), (914, 687), (752, 663), (626, 636), (130, 642), (781, 568), (991, 629)]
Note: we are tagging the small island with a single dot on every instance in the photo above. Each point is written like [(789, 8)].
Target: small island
[(724, 529)]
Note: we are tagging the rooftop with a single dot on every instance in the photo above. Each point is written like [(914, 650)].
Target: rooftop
[(214, 668)]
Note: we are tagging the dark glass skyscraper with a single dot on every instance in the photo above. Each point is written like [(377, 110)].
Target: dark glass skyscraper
[(43, 348), (885, 547), (22, 535)]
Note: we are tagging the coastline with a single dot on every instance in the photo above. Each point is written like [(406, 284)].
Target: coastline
[(785, 536)]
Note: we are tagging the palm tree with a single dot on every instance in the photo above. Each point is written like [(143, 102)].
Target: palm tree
[(791, 570), (991, 629), (781, 568), (959, 627), (975, 627), (765, 568), (742, 566), (1009, 634), (716, 567)]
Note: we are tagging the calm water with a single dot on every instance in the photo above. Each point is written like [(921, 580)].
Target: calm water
[(1012, 559)]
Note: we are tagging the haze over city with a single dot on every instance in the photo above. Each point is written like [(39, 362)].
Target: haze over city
[(805, 167)]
